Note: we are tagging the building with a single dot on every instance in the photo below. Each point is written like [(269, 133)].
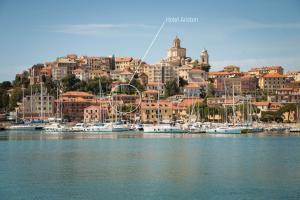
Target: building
[(242, 85), (151, 112), (232, 68), (197, 75), (95, 113), (35, 73), (204, 57), (162, 72), (156, 86), (73, 103), (294, 75), (286, 95), (125, 76), (176, 53), (97, 62), (272, 82), (62, 67), (98, 73), (184, 71), (122, 63), (37, 107), (82, 74), (261, 71), (194, 90)]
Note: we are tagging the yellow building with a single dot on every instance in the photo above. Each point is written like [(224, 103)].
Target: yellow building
[(149, 111), (272, 82)]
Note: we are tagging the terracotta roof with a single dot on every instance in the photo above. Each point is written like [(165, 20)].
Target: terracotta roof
[(76, 93), (218, 73), (262, 103), (189, 101), (151, 91), (123, 59)]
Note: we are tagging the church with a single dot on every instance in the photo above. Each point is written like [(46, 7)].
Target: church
[(177, 64)]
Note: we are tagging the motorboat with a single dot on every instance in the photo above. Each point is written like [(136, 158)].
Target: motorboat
[(224, 130), (56, 127), (79, 127), (163, 128)]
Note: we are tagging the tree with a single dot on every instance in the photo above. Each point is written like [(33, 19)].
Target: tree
[(269, 116), (290, 107), (70, 83), (93, 85), (4, 100), (171, 88), (16, 97), (5, 85), (206, 67), (182, 82), (136, 83)]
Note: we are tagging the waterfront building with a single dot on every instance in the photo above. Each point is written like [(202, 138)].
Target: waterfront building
[(151, 112), (73, 103), (272, 82), (95, 113), (36, 107)]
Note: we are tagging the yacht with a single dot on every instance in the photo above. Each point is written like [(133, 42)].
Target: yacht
[(56, 127), (163, 128), (25, 127), (79, 127), (225, 130)]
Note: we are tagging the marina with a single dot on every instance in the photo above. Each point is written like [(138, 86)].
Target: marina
[(35, 165)]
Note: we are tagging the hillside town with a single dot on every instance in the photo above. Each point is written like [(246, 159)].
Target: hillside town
[(176, 89)]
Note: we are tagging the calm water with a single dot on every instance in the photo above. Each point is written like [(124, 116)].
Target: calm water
[(129, 166)]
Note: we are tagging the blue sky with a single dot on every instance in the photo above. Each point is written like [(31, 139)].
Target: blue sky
[(244, 33)]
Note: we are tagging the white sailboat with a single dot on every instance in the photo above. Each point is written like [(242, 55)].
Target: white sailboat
[(227, 129), (162, 128)]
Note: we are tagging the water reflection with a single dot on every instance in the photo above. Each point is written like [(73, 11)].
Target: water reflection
[(40, 135)]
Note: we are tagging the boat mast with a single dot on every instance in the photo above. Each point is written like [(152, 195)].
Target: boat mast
[(42, 100), (100, 92), (233, 105), (158, 111), (225, 108), (23, 102), (31, 101)]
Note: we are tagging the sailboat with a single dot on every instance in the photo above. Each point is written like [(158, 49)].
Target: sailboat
[(24, 126), (162, 128), (227, 129), (99, 127)]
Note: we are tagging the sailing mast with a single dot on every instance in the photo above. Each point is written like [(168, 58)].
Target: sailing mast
[(233, 105), (23, 102), (42, 101)]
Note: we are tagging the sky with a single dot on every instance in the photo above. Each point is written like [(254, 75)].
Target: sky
[(243, 33)]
